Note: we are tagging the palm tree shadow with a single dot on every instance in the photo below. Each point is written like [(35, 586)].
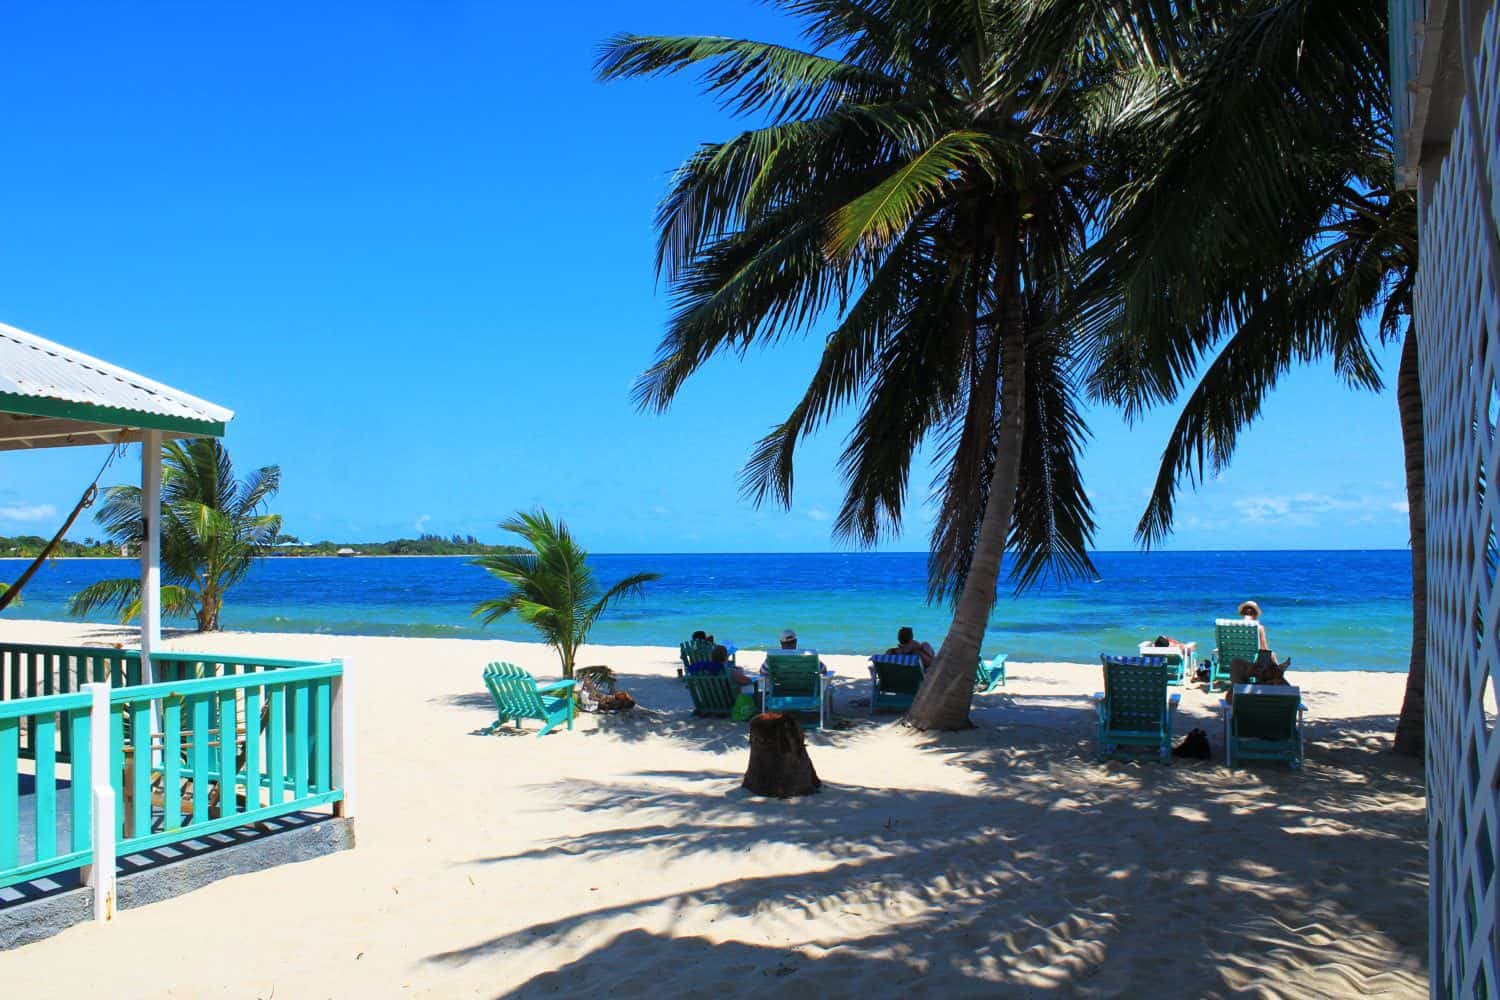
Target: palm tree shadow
[(966, 891)]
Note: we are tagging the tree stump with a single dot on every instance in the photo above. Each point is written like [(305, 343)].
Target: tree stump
[(779, 764)]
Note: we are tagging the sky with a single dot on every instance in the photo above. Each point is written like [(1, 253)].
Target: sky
[(411, 246)]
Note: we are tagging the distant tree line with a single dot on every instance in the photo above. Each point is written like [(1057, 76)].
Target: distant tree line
[(422, 545), (30, 546)]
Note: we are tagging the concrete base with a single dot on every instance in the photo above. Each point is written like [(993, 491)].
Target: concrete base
[(43, 908)]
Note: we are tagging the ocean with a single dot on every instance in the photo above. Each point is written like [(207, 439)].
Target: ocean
[(1337, 610)]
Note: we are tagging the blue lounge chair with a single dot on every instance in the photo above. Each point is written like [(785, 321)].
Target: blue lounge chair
[(894, 679), (518, 696), (1263, 722), (990, 674), (795, 682), (1134, 709)]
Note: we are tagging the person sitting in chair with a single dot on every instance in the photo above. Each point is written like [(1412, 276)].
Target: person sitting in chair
[(1265, 669), (907, 645)]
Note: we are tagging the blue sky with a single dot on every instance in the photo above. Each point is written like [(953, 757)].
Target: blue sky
[(411, 246)]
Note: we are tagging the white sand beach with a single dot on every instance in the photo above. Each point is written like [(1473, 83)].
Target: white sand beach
[(623, 859)]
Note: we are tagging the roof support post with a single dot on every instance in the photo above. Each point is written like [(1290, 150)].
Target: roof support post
[(150, 552)]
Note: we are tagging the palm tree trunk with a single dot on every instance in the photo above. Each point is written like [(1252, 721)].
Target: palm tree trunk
[(1410, 738), (943, 700)]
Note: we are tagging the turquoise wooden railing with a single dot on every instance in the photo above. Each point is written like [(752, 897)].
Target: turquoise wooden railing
[(45, 721), (236, 748), (233, 741)]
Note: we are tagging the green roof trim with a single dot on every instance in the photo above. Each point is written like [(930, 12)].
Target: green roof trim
[(108, 416)]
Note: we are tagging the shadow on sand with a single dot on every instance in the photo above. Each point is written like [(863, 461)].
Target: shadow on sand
[(1187, 880)]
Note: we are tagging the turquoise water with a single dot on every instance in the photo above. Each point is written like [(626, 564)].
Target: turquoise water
[(1329, 610)]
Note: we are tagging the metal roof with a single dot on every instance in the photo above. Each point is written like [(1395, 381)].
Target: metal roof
[(52, 395)]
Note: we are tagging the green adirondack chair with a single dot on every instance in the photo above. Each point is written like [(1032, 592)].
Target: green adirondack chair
[(990, 674), (694, 651), (518, 696), (1134, 708), (894, 679), (712, 693), (1234, 638), (1263, 722), (794, 682)]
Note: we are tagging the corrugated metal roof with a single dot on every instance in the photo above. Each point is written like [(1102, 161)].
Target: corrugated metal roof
[(35, 367)]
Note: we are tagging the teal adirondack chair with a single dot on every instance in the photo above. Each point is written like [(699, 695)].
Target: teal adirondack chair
[(1234, 638), (1134, 709), (712, 693), (894, 679), (795, 682), (696, 651), (1263, 722), (990, 674), (518, 696)]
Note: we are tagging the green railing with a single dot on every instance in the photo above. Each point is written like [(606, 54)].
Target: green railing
[(40, 725), (216, 742)]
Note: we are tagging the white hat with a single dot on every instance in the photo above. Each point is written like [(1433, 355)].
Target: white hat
[(787, 635)]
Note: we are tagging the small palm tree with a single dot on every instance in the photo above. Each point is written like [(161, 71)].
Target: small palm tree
[(213, 528), (552, 586)]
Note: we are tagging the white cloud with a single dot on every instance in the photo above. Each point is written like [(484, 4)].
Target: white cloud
[(1312, 508), (28, 512), (818, 514), (422, 521), (661, 511)]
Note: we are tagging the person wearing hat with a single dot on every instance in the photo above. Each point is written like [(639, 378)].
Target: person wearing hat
[(788, 639), (1250, 612), (1265, 669)]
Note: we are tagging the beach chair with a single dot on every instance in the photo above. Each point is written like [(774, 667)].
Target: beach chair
[(894, 679), (1263, 722), (1134, 709), (694, 651), (518, 696), (713, 691), (1234, 638), (795, 682), (1179, 657), (990, 674)]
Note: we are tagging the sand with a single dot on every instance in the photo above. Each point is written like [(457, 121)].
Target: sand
[(623, 859)]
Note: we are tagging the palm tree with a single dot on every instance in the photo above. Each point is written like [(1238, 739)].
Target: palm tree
[(925, 179), (1254, 226), (213, 528), (552, 585)]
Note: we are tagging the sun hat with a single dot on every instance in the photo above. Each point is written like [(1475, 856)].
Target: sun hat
[(1249, 608), (787, 635)]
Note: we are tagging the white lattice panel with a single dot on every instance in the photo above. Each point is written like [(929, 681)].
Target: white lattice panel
[(1458, 328)]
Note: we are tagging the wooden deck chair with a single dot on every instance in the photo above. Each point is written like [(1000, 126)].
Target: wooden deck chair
[(694, 651), (1134, 709), (1234, 638), (713, 691), (795, 682), (990, 674), (894, 679), (518, 696), (1263, 722)]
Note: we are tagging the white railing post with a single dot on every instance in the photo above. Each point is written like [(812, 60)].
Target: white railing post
[(100, 875), (342, 761)]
